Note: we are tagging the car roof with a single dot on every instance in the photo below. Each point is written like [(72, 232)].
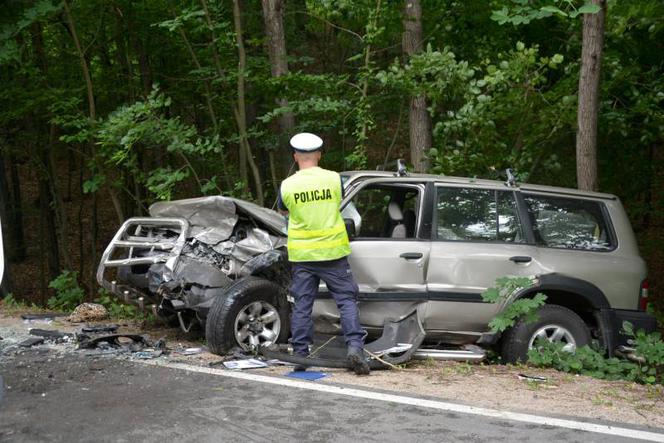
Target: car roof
[(354, 175)]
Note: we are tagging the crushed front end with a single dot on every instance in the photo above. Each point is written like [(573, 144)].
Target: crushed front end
[(180, 259)]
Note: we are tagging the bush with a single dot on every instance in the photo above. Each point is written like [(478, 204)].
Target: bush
[(68, 293), (115, 308), (515, 310), (588, 361)]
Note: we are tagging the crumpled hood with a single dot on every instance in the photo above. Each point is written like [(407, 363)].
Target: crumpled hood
[(214, 217)]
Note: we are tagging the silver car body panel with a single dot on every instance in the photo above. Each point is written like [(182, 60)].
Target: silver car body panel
[(215, 216), (460, 271)]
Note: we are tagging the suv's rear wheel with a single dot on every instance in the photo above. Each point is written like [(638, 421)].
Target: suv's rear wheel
[(554, 323), (252, 312)]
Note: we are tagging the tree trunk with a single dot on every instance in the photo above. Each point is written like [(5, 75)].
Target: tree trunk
[(206, 83), (17, 232), (50, 236), (242, 153), (273, 15), (4, 223), (240, 109), (588, 110), (84, 64), (418, 115)]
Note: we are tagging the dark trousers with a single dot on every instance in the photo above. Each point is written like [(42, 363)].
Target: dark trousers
[(339, 280)]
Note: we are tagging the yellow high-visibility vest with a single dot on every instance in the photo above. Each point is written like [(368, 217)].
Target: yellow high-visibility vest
[(316, 230)]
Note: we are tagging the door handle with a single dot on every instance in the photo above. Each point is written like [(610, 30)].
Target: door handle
[(411, 255), (521, 259)]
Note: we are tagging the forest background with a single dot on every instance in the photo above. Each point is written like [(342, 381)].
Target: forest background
[(110, 105)]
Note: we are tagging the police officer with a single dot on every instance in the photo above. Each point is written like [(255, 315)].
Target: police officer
[(318, 248)]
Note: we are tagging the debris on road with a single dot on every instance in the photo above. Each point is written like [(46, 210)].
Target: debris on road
[(188, 351), (532, 378), (88, 312), (31, 342), (100, 329), (51, 334), (250, 363), (48, 316), (123, 342), (307, 375)]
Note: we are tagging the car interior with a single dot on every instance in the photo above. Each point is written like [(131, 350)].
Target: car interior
[(385, 211)]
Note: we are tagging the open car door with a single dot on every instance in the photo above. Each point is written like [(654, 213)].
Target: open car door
[(388, 259)]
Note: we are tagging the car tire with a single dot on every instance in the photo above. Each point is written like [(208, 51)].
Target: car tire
[(554, 322), (232, 314)]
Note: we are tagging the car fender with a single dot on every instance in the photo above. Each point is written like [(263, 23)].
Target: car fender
[(589, 296), (588, 292)]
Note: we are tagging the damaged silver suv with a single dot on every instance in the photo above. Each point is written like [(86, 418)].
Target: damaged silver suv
[(421, 243)]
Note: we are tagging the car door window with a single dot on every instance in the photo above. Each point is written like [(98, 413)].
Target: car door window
[(569, 223), (384, 211), (467, 214)]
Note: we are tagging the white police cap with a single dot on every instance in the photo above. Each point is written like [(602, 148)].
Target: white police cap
[(306, 142)]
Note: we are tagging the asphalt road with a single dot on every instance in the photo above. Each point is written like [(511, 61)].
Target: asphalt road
[(78, 398)]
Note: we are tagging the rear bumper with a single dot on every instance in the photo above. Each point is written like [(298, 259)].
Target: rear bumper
[(639, 320)]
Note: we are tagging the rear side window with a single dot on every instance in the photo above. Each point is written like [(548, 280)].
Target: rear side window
[(466, 214), (569, 223)]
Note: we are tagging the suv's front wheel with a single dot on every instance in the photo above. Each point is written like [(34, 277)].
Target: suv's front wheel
[(252, 312), (554, 323)]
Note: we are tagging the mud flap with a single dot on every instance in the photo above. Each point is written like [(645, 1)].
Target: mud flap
[(397, 345)]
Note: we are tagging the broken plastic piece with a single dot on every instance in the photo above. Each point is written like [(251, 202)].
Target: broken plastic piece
[(396, 333), (98, 329), (31, 342), (48, 316), (115, 341), (189, 351), (533, 378), (50, 334)]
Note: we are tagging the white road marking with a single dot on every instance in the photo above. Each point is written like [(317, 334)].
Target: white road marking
[(421, 402)]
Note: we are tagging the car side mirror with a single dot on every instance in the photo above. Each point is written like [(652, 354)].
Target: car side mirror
[(350, 227)]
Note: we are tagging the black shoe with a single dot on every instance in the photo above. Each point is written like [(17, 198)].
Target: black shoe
[(357, 361), (299, 367)]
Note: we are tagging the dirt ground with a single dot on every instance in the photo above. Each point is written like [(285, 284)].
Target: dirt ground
[(492, 386)]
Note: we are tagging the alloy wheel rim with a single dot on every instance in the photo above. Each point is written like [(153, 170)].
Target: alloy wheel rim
[(257, 324), (554, 334)]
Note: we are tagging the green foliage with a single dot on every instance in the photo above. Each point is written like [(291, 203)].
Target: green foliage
[(522, 12), (11, 302), (588, 361), (512, 310), (68, 293), (502, 97), (480, 112), (117, 309), (143, 127)]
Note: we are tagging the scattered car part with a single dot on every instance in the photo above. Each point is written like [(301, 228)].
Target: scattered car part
[(332, 354), (50, 334), (31, 342), (470, 353), (99, 329), (250, 363), (532, 378), (47, 316), (188, 351), (135, 344)]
